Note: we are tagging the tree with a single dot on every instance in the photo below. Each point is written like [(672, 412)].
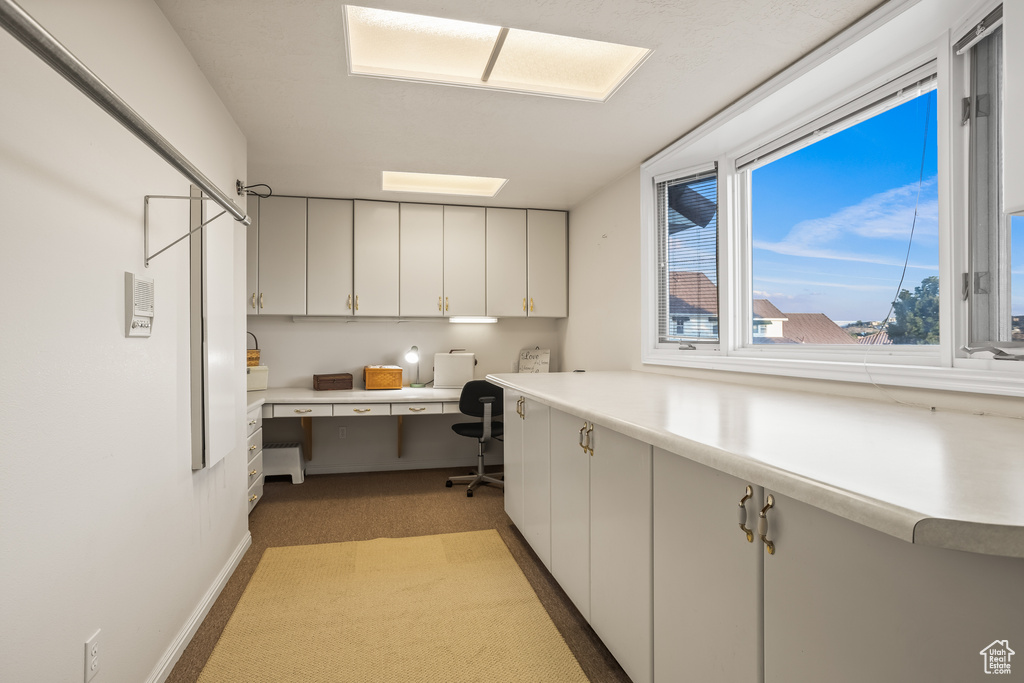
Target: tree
[(917, 314)]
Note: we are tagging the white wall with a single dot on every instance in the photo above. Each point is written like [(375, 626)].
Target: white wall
[(104, 525)]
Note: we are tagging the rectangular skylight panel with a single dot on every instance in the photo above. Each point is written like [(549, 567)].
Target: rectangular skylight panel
[(562, 65), (397, 44), (436, 183)]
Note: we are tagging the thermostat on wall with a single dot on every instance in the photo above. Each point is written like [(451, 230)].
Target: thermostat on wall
[(138, 306)]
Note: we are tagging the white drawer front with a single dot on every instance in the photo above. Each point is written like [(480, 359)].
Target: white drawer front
[(302, 410), (254, 419), (256, 469), (450, 408), (361, 409), (255, 493), (254, 444), (416, 408)]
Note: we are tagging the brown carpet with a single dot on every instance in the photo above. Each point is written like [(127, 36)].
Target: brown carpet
[(365, 506)]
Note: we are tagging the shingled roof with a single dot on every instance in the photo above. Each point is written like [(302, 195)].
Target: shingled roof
[(814, 328), (692, 294)]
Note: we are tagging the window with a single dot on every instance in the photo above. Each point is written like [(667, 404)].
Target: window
[(688, 259), (844, 225)]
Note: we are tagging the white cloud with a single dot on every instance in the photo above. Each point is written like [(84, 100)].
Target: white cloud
[(807, 283), (887, 215)]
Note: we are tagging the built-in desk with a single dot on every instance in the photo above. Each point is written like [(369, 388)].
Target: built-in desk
[(307, 404)]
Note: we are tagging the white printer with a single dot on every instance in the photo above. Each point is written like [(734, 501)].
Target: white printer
[(453, 369)]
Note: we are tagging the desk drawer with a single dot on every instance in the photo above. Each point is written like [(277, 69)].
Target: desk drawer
[(415, 408), (361, 409), (255, 493), (254, 419), (453, 407), (256, 469), (254, 445), (302, 410)]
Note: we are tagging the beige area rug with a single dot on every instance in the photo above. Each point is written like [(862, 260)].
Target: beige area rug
[(452, 607)]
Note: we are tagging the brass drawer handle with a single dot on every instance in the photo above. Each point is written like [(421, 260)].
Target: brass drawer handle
[(362, 410), (762, 524), (303, 410), (252, 473), (743, 514), (252, 422), (416, 410), (253, 497), (252, 447)]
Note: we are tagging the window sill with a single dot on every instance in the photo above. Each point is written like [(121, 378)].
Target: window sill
[(1002, 378)]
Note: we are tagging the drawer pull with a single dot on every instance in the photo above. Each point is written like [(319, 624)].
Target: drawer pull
[(252, 422), (743, 514), (252, 473), (762, 524), (253, 497), (303, 410), (361, 410), (252, 447), (416, 410)]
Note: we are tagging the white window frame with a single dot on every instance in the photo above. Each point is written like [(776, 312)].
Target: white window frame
[(879, 41)]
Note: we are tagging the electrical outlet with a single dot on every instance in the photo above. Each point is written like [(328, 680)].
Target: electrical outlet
[(92, 656), (342, 431)]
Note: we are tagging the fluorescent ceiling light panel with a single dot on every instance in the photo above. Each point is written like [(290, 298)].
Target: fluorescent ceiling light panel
[(436, 183), (415, 47)]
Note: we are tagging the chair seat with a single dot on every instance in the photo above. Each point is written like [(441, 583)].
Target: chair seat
[(475, 430)]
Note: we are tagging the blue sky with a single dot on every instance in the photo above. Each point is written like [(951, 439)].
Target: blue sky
[(832, 221)]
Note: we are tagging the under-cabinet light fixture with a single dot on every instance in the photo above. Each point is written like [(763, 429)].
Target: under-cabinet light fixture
[(437, 183), (415, 47), (471, 319)]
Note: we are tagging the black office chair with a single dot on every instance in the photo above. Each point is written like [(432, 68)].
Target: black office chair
[(480, 399)]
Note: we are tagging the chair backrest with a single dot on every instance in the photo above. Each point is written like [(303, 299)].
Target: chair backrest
[(473, 391)]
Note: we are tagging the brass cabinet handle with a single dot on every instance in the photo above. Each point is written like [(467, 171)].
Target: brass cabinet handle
[(362, 410), (349, 302), (357, 302), (520, 404), (252, 447), (439, 303), (446, 303), (743, 514), (416, 410), (253, 497), (254, 300), (252, 422), (590, 444), (524, 304), (252, 473), (303, 410), (762, 524), (583, 429), (531, 304), (261, 299)]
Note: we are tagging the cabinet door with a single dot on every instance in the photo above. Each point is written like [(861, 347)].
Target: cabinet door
[(537, 479), (329, 257), (465, 258), (707, 575), (570, 510), (422, 260), (252, 256), (375, 260), (620, 549), (282, 245), (513, 467), (847, 604), (547, 264), (506, 262)]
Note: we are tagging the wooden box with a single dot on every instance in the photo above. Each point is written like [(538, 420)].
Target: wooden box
[(382, 377), (341, 380)]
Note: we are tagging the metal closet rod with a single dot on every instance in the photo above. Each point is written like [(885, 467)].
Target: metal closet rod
[(32, 35)]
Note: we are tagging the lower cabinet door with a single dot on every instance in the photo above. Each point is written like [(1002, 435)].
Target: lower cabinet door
[(707, 575), (620, 549), (536, 526), (848, 604), (570, 510), (513, 466)]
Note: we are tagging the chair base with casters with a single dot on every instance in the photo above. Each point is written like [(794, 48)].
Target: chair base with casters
[(484, 400)]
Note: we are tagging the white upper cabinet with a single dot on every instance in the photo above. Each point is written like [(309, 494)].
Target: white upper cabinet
[(1013, 105), (329, 257), (547, 264), (465, 258), (422, 260), (252, 256), (282, 256), (375, 263), (506, 263)]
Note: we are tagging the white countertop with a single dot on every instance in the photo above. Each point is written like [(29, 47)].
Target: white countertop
[(938, 478), (403, 395)]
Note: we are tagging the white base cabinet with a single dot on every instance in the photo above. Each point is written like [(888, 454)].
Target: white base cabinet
[(537, 479), (513, 450), (570, 509)]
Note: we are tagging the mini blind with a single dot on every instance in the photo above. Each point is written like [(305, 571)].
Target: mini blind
[(688, 258)]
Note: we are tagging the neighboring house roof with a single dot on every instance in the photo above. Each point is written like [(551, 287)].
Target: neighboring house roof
[(814, 328), (878, 338), (691, 294), (766, 309)]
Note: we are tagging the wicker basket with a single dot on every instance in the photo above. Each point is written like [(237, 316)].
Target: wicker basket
[(252, 356), (382, 377)]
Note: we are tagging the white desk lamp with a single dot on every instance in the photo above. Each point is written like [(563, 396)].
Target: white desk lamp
[(413, 356)]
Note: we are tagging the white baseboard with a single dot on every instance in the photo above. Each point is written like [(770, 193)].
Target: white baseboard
[(399, 464), (181, 641)]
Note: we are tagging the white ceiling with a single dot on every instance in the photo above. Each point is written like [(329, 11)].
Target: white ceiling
[(313, 130)]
